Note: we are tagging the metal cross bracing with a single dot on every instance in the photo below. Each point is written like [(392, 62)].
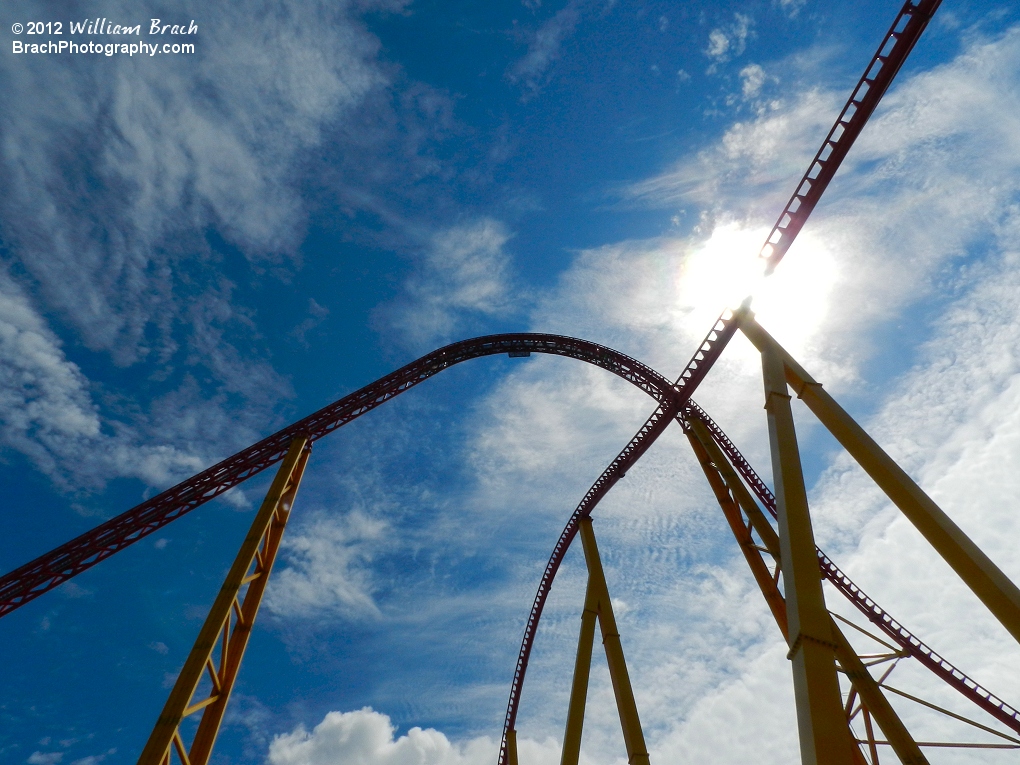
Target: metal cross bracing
[(907, 642), (48, 571)]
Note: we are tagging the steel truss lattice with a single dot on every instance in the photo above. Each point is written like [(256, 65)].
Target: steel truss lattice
[(792, 585)]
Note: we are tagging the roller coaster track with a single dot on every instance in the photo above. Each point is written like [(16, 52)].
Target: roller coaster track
[(709, 350), (911, 645), (910, 22), (51, 569), (903, 34)]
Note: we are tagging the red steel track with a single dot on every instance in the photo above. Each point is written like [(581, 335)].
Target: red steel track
[(896, 46), (910, 644), (51, 569), (904, 33), (709, 350)]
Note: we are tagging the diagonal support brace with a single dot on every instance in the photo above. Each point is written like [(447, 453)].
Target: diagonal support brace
[(985, 579), (597, 606), (228, 624), (726, 486)]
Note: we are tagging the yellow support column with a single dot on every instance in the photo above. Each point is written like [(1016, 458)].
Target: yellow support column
[(579, 687), (228, 625), (723, 494), (511, 747), (824, 735), (726, 484), (985, 579), (637, 752)]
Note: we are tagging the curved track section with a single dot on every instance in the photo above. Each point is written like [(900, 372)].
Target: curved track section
[(47, 571), (910, 644), (699, 365)]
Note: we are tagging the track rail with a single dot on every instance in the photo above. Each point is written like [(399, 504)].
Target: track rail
[(709, 350), (911, 645), (896, 46), (31, 580), (906, 29)]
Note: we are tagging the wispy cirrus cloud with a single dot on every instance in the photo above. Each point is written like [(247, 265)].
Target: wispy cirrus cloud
[(544, 47), (923, 213), (328, 568), (120, 171), (464, 275)]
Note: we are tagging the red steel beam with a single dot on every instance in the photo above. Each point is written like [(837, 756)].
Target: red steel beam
[(51, 569)]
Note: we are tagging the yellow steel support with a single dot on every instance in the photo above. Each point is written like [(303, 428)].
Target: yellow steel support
[(228, 625), (511, 747), (712, 465), (726, 484), (988, 582), (582, 669), (743, 497), (824, 736), (598, 605)]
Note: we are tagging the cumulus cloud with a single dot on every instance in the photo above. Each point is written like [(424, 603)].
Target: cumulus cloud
[(464, 276), (366, 737)]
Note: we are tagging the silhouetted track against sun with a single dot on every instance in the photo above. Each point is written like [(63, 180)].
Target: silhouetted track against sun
[(834, 689)]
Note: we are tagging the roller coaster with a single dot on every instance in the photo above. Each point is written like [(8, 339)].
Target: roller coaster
[(772, 527)]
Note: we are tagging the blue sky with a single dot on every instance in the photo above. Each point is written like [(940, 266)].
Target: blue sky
[(200, 249)]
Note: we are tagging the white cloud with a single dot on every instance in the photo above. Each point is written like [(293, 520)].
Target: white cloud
[(94, 759), (751, 169), (752, 78), (328, 568), (366, 737), (47, 758), (718, 44), (790, 7), (544, 47), (725, 43), (464, 276)]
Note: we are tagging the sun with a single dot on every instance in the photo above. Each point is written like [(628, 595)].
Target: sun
[(725, 269)]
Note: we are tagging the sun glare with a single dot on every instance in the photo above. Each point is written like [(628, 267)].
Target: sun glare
[(726, 269)]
